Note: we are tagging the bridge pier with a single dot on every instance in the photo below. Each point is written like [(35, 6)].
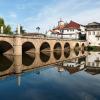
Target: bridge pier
[(18, 64), (17, 45)]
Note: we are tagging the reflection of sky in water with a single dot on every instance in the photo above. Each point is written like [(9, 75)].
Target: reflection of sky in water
[(49, 84)]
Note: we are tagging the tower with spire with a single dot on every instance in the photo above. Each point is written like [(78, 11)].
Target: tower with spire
[(61, 22)]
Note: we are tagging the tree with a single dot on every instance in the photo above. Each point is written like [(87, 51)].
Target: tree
[(22, 30), (7, 28), (1, 22), (38, 29)]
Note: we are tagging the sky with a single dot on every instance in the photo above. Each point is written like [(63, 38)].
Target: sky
[(46, 13)]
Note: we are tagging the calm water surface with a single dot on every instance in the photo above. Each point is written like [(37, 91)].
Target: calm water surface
[(50, 76)]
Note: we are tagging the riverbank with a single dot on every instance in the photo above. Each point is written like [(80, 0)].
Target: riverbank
[(93, 48)]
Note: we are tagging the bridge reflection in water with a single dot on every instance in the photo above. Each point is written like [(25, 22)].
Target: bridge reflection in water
[(17, 64), (70, 61)]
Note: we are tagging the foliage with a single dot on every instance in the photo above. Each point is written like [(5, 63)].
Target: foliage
[(93, 48), (22, 30), (7, 28)]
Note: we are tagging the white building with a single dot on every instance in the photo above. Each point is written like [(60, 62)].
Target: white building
[(93, 63), (71, 30), (93, 34)]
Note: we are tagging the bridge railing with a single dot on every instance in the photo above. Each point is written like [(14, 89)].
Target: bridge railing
[(41, 37)]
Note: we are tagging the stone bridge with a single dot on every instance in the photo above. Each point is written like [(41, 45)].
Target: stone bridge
[(18, 44)]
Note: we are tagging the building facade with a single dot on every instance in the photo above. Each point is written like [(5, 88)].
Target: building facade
[(93, 34), (71, 30)]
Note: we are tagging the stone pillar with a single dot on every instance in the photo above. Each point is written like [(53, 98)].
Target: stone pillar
[(1, 29), (17, 45), (18, 29), (18, 64)]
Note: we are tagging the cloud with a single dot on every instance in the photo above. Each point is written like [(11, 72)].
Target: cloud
[(46, 14), (88, 16), (67, 10)]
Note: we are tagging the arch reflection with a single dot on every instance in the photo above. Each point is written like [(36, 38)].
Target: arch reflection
[(27, 59), (57, 55), (5, 62), (76, 52), (45, 47), (45, 56), (67, 54), (83, 51)]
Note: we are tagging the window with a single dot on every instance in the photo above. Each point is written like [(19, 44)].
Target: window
[(93, 33), (61, 31), (89, 33), (98, 33)]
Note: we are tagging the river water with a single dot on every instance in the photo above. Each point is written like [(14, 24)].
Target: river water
[(50, 76)]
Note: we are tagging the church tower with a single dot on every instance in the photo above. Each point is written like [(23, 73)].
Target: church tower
[(61, 22)]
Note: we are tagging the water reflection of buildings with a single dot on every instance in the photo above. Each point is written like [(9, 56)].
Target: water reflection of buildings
[(72, 65), (32, 62), (93, 63), (90, 64)]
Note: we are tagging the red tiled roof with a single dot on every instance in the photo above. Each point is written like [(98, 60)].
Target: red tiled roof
[(72, 25)]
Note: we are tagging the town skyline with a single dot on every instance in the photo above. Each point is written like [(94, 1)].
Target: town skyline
[(46, 14)]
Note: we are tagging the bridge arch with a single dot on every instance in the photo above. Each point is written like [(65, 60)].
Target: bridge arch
[(6, 47), (66, 46), (28, 47), (45, 46), (57, 46)]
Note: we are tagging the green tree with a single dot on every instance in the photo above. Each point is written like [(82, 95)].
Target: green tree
[(22, 30), (7, 28), (2, 22)]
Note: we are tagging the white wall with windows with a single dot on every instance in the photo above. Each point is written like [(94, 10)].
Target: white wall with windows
[(93, 59), (93, 38)]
